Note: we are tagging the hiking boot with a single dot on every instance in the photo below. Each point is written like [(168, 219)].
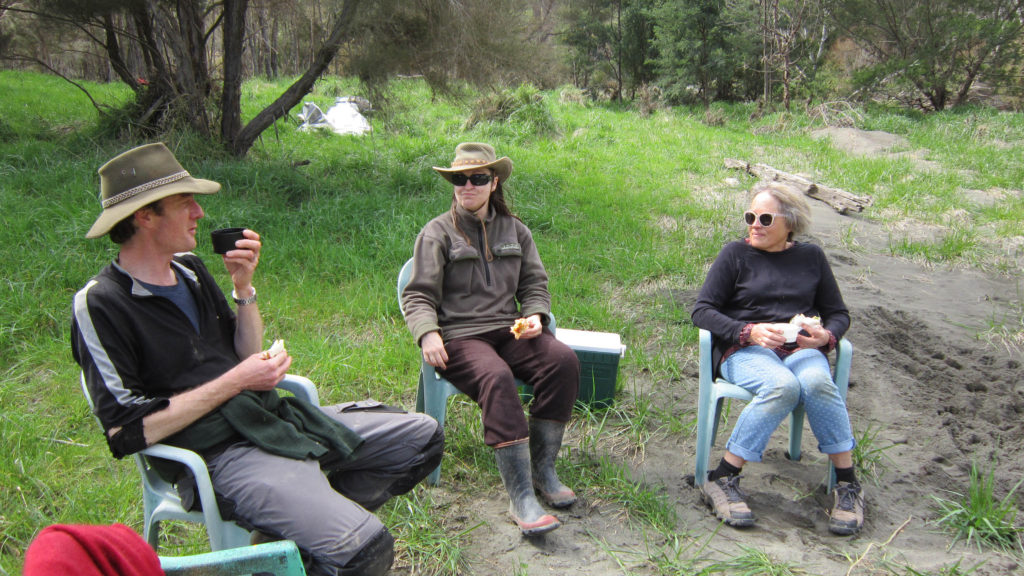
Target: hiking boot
[(727, 500), (847, 515)]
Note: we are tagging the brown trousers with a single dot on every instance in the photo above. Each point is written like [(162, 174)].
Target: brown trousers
[(485, 367)]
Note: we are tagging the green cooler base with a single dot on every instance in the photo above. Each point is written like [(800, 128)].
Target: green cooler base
[(598, 372), (598, 353)]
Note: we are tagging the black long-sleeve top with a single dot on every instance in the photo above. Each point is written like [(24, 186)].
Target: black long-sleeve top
[(748, 286), (137, 349)]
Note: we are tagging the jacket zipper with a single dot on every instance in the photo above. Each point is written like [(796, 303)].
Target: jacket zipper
[(483, 256)]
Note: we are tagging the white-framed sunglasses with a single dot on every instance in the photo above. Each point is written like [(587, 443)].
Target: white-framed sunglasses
[(765, 218)]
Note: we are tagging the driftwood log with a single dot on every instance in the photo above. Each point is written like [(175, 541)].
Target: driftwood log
[(841, 200)]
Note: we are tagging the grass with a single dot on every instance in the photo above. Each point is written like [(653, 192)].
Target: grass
[(1006, 330), (430, 545), (869, 458), (672, 554), (953, 569), (755, 562), (979, 516), (627, 210)]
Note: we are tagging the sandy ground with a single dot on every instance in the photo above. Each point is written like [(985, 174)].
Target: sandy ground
[(938, 397)]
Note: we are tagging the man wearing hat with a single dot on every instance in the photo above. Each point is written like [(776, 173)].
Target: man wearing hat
[(477, 303), (166, 359)]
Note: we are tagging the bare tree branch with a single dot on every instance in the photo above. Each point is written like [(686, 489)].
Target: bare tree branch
[(244, 139), (99, 107)]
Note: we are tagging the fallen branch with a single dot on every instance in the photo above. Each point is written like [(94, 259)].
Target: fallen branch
[(841, 200), (887, 542)]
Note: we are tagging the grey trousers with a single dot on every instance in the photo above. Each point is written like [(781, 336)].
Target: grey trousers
[(323, 507)]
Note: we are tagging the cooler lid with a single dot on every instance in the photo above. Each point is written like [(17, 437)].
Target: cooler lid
[(585, 340)]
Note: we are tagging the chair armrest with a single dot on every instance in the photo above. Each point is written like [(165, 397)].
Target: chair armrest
[(844, 359), (195, 463), (302, 387), (280, 557), (706, 370)]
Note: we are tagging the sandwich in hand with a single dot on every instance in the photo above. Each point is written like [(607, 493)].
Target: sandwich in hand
[(276, 348), (804, 321), (521, 325)]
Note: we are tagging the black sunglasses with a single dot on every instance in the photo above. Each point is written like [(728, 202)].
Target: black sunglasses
[(460, 179), (766, 219)]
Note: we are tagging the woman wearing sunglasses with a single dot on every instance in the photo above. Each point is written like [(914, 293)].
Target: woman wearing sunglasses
[(476, 273), (769, 278)]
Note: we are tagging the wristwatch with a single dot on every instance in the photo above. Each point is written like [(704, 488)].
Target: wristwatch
[(244, 301)]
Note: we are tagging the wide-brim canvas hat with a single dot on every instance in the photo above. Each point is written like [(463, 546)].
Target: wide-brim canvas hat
[(472, 155), (138, 177)]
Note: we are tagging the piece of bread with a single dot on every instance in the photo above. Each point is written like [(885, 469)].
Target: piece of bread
[(521, 325), (276, 348), (802, 321)]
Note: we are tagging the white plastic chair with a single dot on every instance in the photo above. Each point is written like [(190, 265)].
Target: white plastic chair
[(713, 391), (433, 391), (160, 500), (279, 558)]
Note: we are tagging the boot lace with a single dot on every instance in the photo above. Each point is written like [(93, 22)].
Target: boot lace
[(846, 495), (731, 487)]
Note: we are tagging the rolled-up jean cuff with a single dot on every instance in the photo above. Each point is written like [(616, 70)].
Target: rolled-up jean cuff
[(838, 448), (747, 455)]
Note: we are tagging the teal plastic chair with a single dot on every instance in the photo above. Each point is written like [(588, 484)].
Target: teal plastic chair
[(713, 391), (433, 391), (278, 558), (160, 499)]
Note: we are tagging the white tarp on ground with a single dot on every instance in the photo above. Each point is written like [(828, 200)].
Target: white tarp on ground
[(342, 118)]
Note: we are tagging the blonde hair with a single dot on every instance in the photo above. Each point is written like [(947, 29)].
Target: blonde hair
[(792, 204)]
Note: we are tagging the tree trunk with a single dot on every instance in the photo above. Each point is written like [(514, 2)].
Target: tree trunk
[(113, 49), (193, 76), (785, 78), (272, 69), (240, 141), (937, 96), (231, 98), (618, 51)]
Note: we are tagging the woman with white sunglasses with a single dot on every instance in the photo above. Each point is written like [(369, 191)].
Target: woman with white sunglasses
[(754, 285)]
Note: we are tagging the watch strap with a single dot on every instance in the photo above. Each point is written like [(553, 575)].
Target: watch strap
[(244, 301)]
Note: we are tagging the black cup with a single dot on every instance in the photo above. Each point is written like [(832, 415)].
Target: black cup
[(224, 239)]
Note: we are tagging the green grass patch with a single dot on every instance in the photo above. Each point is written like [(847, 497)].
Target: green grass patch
[(981, 517), (755, 562), (869, 457)]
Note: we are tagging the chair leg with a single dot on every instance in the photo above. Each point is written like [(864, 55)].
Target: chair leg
[(229, 535), (719, 403), (435, 404), (707, 423), (151, 532), (796, 432)]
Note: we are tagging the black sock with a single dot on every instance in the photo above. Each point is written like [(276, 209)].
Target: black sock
[(845, 475), (724, 469)]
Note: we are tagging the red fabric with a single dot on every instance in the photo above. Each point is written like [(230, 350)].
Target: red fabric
[(82, 550)]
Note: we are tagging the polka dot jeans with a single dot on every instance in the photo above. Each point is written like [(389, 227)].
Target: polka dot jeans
[(778, 385)]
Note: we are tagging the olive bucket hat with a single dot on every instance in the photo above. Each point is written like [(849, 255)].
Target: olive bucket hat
[(138, 177), (472, 155)]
